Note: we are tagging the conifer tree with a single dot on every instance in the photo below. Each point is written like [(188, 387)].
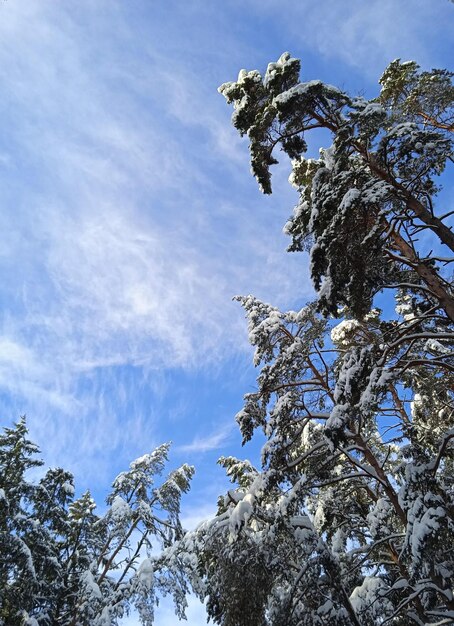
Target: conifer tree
[(61, 563), (363, 202), (350, 518)]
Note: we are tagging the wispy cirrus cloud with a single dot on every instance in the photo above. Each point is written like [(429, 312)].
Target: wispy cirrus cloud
[(369, 36), (362, 36), (123, 239), (212, 441)]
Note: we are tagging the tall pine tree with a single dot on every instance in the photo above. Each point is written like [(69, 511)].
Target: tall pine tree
[(350, 518)]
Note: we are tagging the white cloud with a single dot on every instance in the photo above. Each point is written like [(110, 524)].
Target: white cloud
[(194, 515), (213, 441), (120, 249), (370, 35), (100, 232), (363, 35), (165, 614), (195, 613)]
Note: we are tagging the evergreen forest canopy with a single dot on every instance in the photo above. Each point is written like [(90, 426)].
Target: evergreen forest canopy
[(349, 519)]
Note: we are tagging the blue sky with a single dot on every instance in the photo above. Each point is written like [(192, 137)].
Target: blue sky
[(129, 218)]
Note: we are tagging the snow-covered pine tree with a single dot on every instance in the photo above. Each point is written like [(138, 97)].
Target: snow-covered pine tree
[(142, 514), (350, 519), (60, 563), (19, 582), (367, 196)]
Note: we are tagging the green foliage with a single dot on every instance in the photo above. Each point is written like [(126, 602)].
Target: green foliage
[(349, 521), (64, 564), (365, 199), (419, 96)]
